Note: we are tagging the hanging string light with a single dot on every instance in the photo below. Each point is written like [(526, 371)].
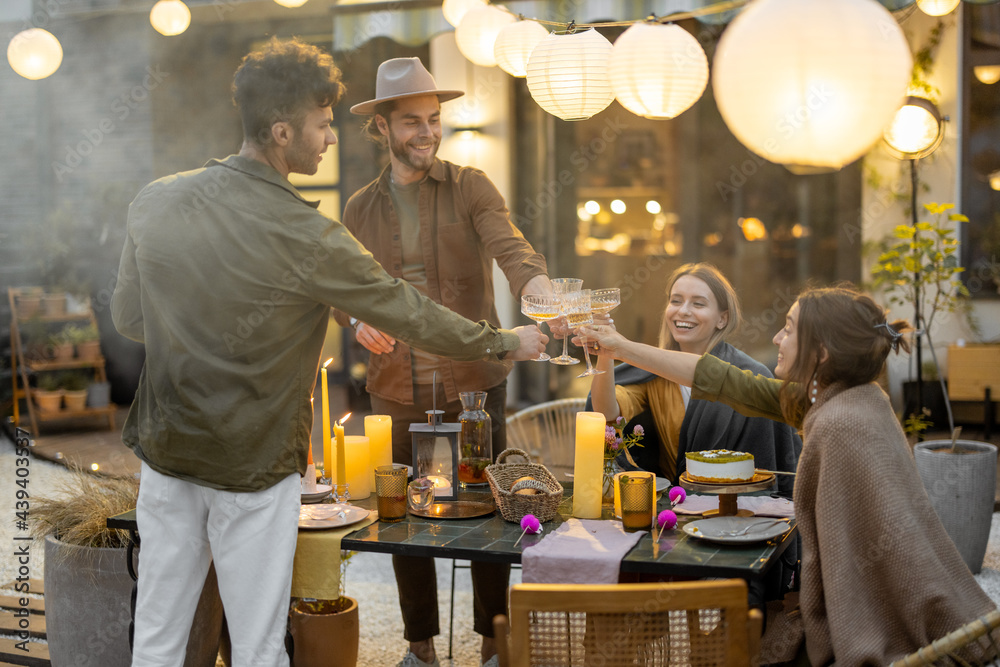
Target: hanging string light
[(170, 17), (514, 45), (937, 7), (291, 3), (34, 53), (810, 84), (988, 74), (568, 74), (657, 71), (477, 33)]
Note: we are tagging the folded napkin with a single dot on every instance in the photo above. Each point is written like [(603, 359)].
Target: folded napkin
[(316, 571), (759, 505), (581, 551)]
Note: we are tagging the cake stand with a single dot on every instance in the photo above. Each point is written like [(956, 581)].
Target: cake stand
[(728, 492)]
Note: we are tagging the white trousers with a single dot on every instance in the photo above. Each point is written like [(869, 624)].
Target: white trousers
[(250, 536)]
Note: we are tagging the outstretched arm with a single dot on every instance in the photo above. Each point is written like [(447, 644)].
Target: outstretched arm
[(670, 364)]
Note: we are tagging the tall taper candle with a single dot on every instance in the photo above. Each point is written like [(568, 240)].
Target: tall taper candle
[(378, 428), (588, 465), (327, 446), (338, 432)]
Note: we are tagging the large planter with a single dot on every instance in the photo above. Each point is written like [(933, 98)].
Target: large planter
[(322, 638), (962, 488), (88, 609)]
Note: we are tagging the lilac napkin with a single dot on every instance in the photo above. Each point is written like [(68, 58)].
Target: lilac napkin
[(581, 551), (759, 505)]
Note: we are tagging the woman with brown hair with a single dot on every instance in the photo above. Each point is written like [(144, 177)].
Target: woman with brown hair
[(702, 311), (880, 576)]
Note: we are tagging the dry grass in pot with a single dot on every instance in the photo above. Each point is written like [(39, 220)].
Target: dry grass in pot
[(77, 510)]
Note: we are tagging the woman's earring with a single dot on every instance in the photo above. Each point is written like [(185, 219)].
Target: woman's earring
[(815, 390)]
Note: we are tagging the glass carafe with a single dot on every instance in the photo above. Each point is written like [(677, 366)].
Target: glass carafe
[(476, 441)]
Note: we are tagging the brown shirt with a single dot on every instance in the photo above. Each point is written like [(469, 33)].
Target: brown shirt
[(464, 226)]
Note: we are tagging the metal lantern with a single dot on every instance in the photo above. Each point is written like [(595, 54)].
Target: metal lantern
[(34, 53), (810, 84), (568, 74), (514, 46), (478, 31), (657, 71), (435, 454)]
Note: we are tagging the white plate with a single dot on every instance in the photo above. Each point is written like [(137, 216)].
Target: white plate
[(314, 517), (322, 491), (716, 529), (662, 484)]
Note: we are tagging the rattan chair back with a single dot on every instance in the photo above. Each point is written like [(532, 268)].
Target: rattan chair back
[(703, 623), (973, 643), (547, 432)]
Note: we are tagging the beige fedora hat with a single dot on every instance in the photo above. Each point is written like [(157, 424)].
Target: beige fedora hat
[(400, 78)]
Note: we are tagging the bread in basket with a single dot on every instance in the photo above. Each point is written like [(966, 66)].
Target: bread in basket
[(543, 503)]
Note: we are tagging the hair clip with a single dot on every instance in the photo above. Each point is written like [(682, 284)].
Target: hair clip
[(894, 335)]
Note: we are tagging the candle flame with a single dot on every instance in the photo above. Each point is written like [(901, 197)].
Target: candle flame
[(343, 419), (327, 363)]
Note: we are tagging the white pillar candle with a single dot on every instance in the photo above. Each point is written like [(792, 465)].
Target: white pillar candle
[(378, 428), (588, 465), (358, 468)]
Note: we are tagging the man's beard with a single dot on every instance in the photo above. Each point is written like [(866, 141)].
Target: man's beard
[(402, 153)]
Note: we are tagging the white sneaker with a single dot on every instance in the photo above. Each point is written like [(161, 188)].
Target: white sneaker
[(411, 660), (492, 662)]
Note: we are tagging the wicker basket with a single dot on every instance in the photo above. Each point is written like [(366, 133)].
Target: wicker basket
[(514, 506)]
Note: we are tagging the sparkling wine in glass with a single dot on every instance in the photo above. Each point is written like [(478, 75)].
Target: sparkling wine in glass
[(605, 300), (579, 314), (540, 308), (564, 287)]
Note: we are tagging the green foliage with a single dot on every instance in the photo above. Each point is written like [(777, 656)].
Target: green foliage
[(923, 65), (923, 260), (74, 380), (75, 334), (48, 382), (916, 424)]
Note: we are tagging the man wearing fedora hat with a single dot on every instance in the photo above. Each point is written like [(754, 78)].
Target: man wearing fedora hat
[(439, 226), (226, 277)]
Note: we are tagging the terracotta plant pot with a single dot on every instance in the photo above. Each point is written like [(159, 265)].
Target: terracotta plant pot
[(325, 634), (75, 400), (89, 350), (62, 352), (54, 305), (28, 305), (48, 401)]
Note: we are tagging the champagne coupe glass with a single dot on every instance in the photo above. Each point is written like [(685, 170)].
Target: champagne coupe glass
[(580, 314), (541, 308), (564, 287), (605, 300)]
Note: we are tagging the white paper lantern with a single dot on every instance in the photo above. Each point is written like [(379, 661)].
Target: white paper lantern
[(810, 84), (478, 31), (455, 10), (514, 45), (937, 7), (568, 74), (291, 3), (34, 53), (657, 71), (988, 74), (170, 17)]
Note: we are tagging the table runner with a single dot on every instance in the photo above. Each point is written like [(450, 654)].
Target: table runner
[(580, 551), (316, 571)]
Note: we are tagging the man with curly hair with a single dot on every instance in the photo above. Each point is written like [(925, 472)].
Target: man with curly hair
[(228, 275)]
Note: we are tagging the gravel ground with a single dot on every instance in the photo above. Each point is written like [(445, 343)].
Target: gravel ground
[(369, 578)]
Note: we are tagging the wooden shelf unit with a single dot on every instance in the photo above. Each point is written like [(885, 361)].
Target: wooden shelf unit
[(22, 368)]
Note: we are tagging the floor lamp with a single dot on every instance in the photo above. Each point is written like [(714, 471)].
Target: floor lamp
[(915, 132)]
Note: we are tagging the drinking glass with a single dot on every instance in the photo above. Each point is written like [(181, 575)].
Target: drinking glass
[(540, 308), (636, 492), (579, 314), (564, 287), (605, 300), (390, 487), (420, 494)]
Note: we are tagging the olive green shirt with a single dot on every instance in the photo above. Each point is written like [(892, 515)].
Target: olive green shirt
[(228, 276), (743, 390)]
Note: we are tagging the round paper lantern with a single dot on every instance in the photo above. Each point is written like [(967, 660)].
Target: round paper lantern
[(478, 31), (988, 74), (810, 84), (568, 74), (514, 45), (34, 53), (657, 71), (455, 10), (291, 3), (937, 7), (170, 17)]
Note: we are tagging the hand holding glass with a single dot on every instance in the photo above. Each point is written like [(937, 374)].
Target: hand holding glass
[(540, 308), (563, 287), (578, 312)]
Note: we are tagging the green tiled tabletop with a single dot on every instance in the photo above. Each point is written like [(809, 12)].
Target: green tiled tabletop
[(490, 538)]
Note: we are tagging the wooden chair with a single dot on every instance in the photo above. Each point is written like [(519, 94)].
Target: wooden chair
[(697, 623), (547, 432), (976, 635)]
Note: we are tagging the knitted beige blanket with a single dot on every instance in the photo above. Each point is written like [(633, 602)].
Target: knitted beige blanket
[(880, 577)]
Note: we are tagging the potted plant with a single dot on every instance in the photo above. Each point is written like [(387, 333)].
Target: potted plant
[(47, 393), (921, 268), (87, 585), (74, 384), (87, 340), (61, 347), (326, 633)]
